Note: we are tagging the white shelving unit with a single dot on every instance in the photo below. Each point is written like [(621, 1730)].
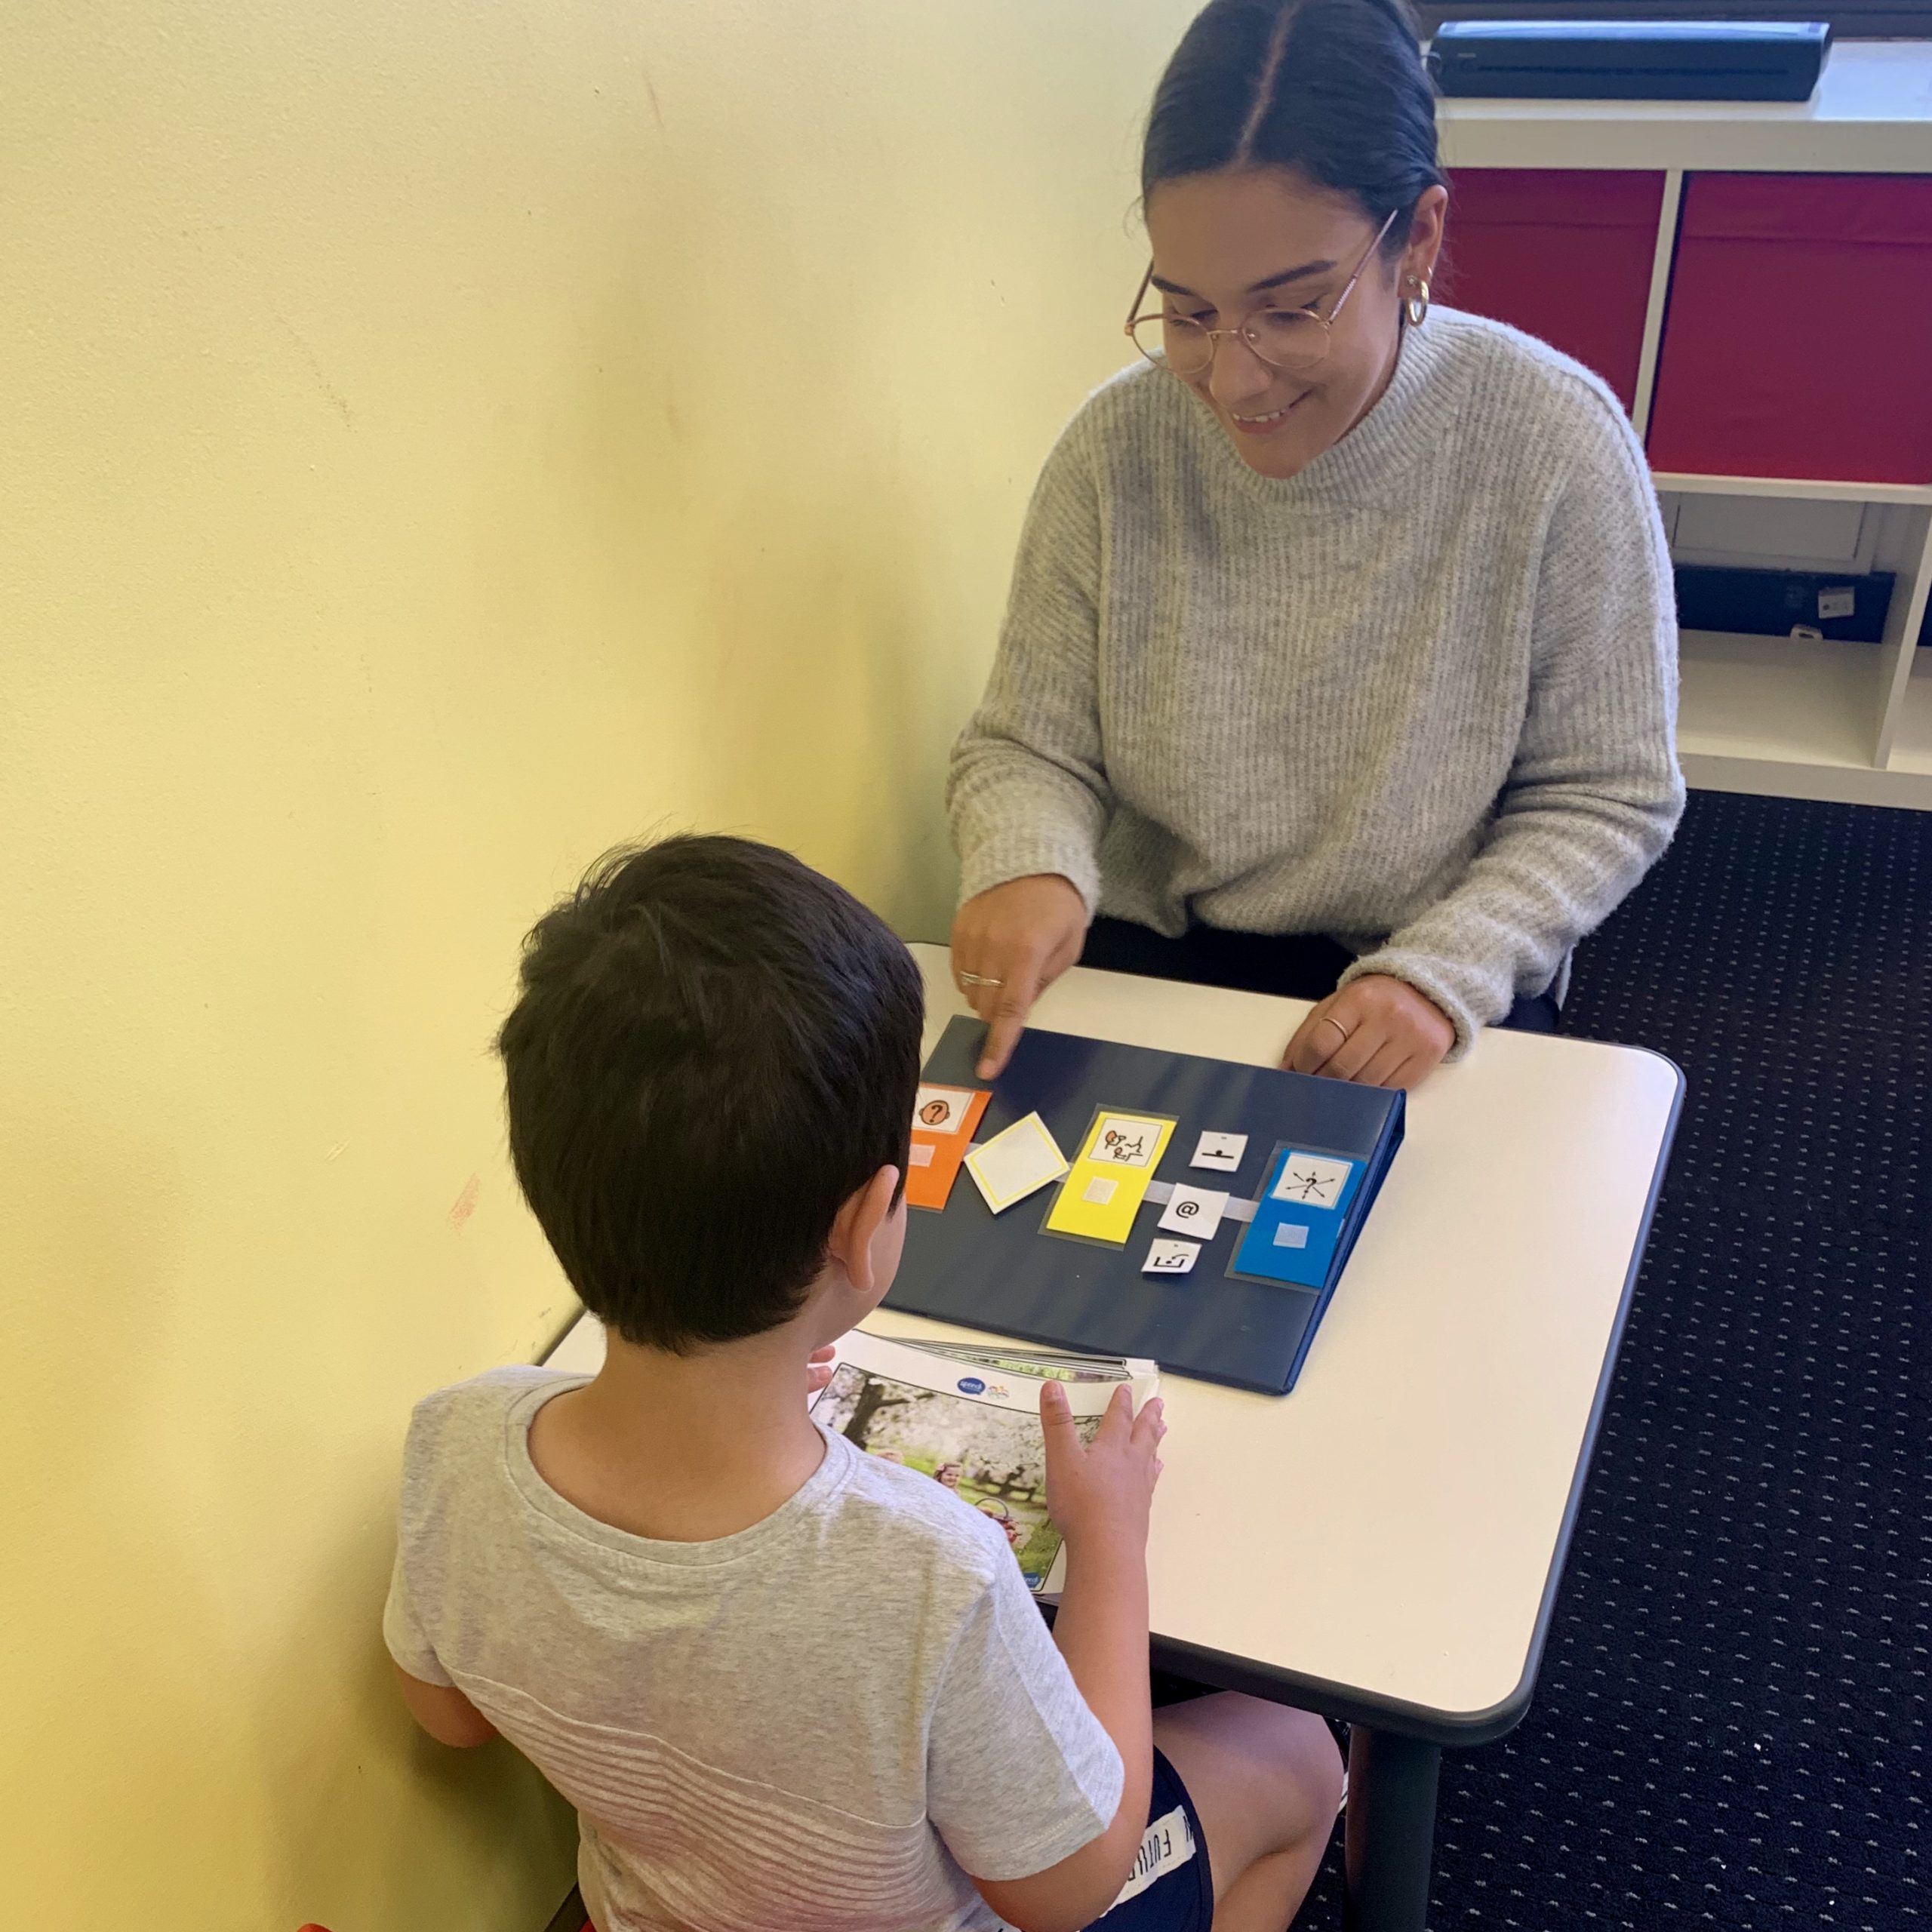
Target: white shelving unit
[(1807, 718), (1910, 750), (1789, 717)]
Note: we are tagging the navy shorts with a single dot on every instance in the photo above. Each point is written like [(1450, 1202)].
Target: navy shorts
[(1170, 1888)]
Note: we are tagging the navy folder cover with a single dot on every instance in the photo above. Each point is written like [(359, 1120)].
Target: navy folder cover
[(964, 1264)]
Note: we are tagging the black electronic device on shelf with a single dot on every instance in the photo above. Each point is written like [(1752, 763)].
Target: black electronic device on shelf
[(1845, 609), (1630, 59)]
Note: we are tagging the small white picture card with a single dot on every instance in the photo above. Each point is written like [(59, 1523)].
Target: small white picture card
[(1291, 1233), (1126, 1140), (1015, 1164), (1313, 1180), (1100, 1190), (922, 1154), (1170, 1257), (1194, 1210), (941, 1109), (1222, 1152)]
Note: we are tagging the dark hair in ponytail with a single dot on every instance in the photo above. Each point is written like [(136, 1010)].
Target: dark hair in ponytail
[(1333, 89)]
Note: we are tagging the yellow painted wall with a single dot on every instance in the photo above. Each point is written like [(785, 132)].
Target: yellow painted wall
[(435, 442)]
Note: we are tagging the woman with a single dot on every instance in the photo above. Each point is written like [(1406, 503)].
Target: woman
[(1340, 660)]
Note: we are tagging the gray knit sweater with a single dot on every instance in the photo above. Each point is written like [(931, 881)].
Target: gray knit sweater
[(1420, 697)]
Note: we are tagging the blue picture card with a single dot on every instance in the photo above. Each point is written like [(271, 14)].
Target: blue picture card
[(1306, 1193)]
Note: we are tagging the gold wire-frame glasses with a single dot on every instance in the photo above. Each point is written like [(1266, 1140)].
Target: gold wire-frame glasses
[(1294, 340)]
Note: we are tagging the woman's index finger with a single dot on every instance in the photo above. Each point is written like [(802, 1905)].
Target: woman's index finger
[(1009, 1022)]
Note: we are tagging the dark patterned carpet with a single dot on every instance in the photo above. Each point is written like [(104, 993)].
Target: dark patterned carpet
[(1731, 1729)]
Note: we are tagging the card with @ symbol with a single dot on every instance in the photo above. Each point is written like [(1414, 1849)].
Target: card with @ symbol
[(1193, 1210)]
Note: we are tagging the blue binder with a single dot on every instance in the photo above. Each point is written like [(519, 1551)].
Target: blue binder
[(1316, 1155)]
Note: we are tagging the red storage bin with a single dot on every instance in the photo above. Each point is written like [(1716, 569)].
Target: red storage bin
[(1564, 254), (1799, 331)]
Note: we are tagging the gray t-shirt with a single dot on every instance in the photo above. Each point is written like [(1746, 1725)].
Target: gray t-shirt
[(813, 1723)]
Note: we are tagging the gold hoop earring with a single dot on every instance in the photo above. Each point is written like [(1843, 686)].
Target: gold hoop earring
[(1417, 305)]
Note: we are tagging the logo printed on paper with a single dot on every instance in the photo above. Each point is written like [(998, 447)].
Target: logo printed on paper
[(971, 1385)]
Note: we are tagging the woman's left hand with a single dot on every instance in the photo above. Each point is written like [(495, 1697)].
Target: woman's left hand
[(818, 1365), (1377, 1031)]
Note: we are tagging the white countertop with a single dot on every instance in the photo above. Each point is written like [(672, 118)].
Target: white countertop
[(1871, 113)]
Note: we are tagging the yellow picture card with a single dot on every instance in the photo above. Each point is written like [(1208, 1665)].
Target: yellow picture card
[(1109, 1177)]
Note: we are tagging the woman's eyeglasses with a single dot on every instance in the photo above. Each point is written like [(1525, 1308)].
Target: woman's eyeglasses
[(1295, 340)]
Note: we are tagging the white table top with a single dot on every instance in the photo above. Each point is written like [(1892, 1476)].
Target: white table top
[(1872, 114), (1391, 1529)]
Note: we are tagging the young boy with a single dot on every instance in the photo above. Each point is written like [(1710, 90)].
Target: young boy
[(789, 1687)]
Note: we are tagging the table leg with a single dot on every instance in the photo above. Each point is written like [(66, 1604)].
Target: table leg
[(1389, 1830)]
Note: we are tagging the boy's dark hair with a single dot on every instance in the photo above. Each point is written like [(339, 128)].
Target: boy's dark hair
[(715, 1049), (1334, 90)]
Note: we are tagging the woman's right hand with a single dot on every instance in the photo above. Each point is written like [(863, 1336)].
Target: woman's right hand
[(1015, 942)]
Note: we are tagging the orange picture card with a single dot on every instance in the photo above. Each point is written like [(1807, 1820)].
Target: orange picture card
[(943, 1118)]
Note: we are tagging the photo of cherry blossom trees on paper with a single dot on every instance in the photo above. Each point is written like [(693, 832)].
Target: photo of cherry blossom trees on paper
[(992, 1458)]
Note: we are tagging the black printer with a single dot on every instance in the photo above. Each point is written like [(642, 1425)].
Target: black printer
[(1630, 59)]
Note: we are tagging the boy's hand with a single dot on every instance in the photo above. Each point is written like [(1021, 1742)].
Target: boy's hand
[(818, 1368), (1100, 1493)]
